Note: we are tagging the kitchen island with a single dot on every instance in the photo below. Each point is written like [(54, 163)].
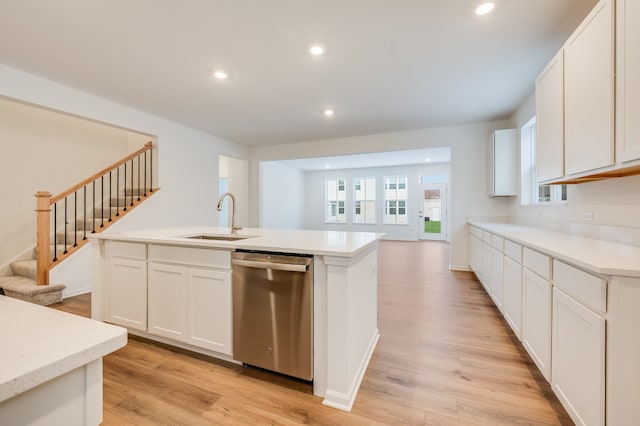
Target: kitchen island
[(51, 369), (173, 285)]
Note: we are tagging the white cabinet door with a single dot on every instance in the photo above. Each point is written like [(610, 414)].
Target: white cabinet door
[(209, 307), (536, 320), (497, 277), (578, 359), (502, 163), (589, 92), (627, 80), (513, 295), (486, 266), (168, 301), (550, 120), (126, 292)]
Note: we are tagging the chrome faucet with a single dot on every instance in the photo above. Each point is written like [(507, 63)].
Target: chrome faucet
[(234, 228)]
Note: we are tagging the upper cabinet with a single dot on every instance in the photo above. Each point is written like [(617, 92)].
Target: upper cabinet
[(627, 80), (502, 162), (585, 113), (589, 92), (550, 120)]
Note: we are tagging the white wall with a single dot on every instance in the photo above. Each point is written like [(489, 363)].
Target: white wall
[(43, 150), (468, 191), (315, 205), (282, 196), (613, 202), (187, 158)]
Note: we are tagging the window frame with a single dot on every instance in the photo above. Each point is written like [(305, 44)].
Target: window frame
[(361, 184), (336, 204), (399, 185)]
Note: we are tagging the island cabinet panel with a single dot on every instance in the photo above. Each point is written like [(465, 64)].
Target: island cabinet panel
[(627, 80), (209, 307), (536, 320), (126, 295), (578, 359), (589, 92), (168, 301), (191, 304)]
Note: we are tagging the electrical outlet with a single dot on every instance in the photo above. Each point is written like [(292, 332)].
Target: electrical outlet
[(588, 216)]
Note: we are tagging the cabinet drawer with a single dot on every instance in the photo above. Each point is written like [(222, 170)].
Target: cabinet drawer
[(497, 242), (486, 237), (211, 258), (584, 287), (513, 250), (537, 262), (128, 250)]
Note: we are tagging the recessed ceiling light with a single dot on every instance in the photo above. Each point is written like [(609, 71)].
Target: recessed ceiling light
[(329, 112), (328, 166), (220, 75), (427, 160), (485, 8), (316, 50)]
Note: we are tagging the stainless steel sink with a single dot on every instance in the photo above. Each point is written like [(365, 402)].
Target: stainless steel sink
[(219, 237)]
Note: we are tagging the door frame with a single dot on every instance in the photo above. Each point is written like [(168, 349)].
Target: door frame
[(444, 214)]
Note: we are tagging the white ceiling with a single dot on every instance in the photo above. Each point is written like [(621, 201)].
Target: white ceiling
[(379, 159), (390, 65)]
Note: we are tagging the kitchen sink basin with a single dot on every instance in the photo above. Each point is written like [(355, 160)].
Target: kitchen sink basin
[(219, 237)]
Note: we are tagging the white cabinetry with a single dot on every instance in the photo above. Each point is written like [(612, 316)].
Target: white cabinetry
[(502, 161), (512, 307), (497, 271), (578, 349), (125, 298), (627, 80), (168, 301), (209, 309), (589, 92), (550, 120), (190, 296), (536, 310), (578, 359)]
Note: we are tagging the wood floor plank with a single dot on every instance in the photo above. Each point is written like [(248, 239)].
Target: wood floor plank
[(445, 357)]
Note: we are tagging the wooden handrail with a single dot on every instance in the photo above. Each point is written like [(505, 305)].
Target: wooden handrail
[(102, 172), (45, 202)]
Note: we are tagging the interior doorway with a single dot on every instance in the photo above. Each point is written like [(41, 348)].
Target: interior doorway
[(433, 212)]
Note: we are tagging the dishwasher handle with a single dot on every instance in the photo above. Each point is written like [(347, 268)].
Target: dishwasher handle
[(270, 265)]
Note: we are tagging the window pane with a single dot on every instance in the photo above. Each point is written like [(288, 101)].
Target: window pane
[(364, 196), (335, 196), (395, 199)]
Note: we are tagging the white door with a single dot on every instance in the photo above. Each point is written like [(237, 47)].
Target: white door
[(432, 214)]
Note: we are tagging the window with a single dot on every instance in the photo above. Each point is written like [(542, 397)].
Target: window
[(395, 199), (531, 192), (335, 196), (364, 196)]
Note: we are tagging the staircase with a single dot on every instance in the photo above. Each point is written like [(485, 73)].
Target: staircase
[(29, 280)]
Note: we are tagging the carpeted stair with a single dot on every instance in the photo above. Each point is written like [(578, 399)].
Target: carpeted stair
[(22, 285)]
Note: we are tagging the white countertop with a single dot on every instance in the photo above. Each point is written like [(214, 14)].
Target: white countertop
[(327, 243), (598, 256), (39, 344)]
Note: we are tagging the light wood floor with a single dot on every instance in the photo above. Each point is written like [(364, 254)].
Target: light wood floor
[(445, 357)]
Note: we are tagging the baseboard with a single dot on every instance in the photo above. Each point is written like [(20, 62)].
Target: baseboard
[(460, 268), (75, 292), (344, 401)]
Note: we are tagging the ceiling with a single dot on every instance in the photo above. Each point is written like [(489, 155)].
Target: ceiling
[(390, 65), (369, 160)]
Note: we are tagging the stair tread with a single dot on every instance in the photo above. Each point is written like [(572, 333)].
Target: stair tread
[(25, 268), (27, 286)]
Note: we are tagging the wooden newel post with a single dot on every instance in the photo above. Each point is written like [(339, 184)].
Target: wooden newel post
[(43, 229)]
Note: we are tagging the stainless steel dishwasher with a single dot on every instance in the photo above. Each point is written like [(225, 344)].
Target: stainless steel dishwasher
[(273, 311)]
